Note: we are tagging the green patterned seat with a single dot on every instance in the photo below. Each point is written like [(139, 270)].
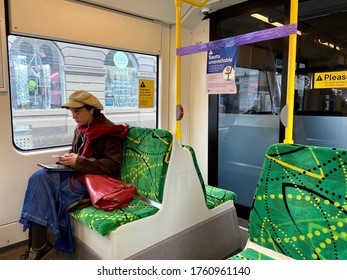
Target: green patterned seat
[(213, 196), (146, 155), (300, 207), (105, 221), (251, 254), (217, 196)]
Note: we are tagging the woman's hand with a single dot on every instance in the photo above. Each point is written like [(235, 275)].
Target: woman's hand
[(68, 159)]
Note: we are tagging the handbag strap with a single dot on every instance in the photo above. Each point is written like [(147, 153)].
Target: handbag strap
[(83, 201)]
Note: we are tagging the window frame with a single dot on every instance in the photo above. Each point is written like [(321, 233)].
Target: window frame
[(130, 115)]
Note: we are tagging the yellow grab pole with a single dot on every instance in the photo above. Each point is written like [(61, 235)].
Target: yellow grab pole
[(178, 4), (288, 139), (179, 109)]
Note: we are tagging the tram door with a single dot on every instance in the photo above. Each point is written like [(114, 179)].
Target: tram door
[(249, 122), (248, 125)]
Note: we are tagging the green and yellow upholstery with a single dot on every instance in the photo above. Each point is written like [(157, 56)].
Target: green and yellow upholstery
[(251, 254), (214, 196), (217, 196), (300, 204), (146, 156), (105, 221)]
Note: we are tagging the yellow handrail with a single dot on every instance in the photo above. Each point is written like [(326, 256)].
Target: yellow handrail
[(288, 138), (178, 4)]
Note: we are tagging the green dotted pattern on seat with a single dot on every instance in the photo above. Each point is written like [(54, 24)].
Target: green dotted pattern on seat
[(300, 207), (146, 155), (196, 165), (105, 221), (250, 254), (213, 196), (217, 196)]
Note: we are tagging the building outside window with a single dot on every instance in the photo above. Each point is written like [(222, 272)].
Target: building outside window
[(121, 80), (36, 68), (43, 73)]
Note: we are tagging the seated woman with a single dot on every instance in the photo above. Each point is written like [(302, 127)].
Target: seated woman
[(96, 148)]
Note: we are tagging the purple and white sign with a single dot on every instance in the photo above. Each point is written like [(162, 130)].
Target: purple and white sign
[(221, 70)]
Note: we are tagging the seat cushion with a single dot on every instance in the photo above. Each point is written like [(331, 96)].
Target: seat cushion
[(105, 221), (214, 196), (250, 254), (197, 169), (217, 196)]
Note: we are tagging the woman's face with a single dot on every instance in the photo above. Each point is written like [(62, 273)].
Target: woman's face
[(82, 116)]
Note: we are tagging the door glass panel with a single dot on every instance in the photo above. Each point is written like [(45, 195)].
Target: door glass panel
[(249, 120), (321, 81)]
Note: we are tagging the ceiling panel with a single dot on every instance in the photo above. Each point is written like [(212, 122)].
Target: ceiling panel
[(162, 10)]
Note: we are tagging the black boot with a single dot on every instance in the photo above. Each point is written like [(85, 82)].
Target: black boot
[(39, 246), (38, 254)]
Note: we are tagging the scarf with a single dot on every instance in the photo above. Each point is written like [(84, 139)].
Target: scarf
[(98, 128)]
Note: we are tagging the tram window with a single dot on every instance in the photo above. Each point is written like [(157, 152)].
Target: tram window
[(43, 73), (318, 101), (258, 92)]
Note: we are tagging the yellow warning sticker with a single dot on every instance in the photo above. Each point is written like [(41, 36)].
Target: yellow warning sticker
[(330, 79), (146, 93)]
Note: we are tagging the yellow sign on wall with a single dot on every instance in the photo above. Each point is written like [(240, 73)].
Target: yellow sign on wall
[(330, 79), (146, 93)]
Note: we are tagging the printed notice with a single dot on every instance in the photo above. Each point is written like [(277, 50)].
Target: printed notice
[(146, 93), (221, 71), (330, 79)]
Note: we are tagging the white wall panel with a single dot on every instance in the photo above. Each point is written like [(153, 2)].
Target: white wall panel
[(75, 22), (199, 99)]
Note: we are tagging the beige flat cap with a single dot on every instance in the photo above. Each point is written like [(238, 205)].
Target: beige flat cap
[(80, 98)]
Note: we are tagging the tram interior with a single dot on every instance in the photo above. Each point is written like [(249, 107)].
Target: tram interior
[(254, 112)]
